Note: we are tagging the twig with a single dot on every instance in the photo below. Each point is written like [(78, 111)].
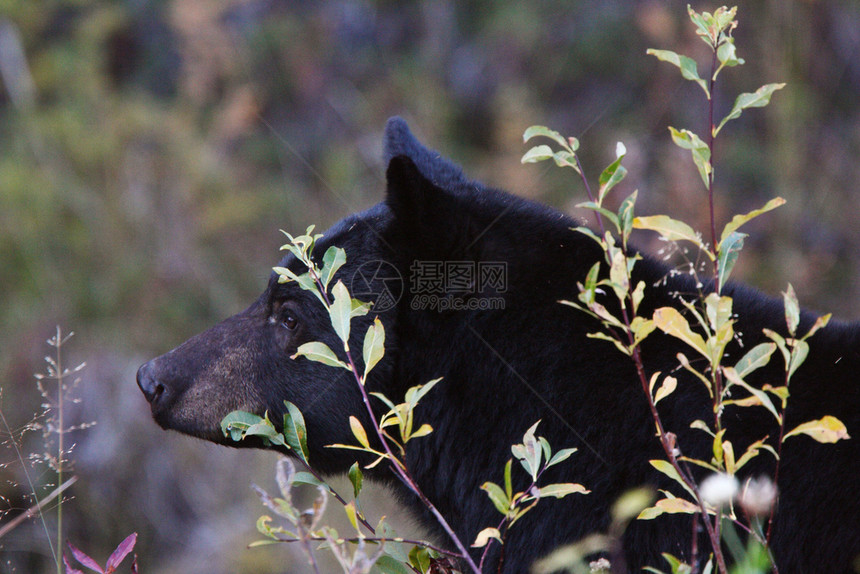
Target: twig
[(36, 508), (399, 469)]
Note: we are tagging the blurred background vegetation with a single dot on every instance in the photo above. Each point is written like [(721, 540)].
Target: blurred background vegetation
[(151, 151)]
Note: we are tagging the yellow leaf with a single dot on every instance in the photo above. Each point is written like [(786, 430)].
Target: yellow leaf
[(358, 431), (669, 385), (826, 429), (423, 430), (485, 535), (668, 506), (670, 321), (729, 455)]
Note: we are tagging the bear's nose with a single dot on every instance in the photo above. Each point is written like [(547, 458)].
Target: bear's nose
[(148, 382)]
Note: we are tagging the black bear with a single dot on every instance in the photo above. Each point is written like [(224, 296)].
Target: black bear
[(510, 354)]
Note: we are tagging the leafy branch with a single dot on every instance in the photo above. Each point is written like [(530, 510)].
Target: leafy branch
[(536, 456), (706, 327)]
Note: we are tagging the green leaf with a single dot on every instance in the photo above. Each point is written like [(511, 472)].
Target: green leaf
[(321, 353), (630, 504), (798, 356), (666, 468), (751, 452), (561, 456), (685, 363), (754, 359), (340, 312), (761, 396), (384, 399), (267, 431), (561, 490), (701, 425), (618, 279), (728, 252), (358, 431), (359, 309), (757, 99), (670, 321), (547, 450), (701, 22), (820, 323), (670, 229), (625, 215), (333, 259), (374, 345), (386, 564), (780, 343), (689, 70), (604, 314), (420, 558), (718, 310), (601, 210), (497, 497), (827, 429), (727, 55), (351, 514), (303, 477), (677, 566), (613, 174), (781, 392), (739, 220), (416, 393), (295, 431), (589, 233), (565, 159), (236, 423), (356, 478), (305, 281), (485, 535), (792, 310), (538, 131), (529, 452), (604, 337), (640, 326), (538, 153), (686, 139), (717, 447)]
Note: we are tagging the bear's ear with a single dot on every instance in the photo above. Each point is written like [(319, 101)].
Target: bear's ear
[(399, 141), (428, 219)]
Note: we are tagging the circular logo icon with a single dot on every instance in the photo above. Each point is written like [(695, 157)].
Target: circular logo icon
[(378, 282)]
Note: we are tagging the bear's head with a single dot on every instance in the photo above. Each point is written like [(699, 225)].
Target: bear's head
[(433, 216)]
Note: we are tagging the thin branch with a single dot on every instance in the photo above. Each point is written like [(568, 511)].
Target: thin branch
[(36, 508), (378, 540), (589, 194), (399, 468)]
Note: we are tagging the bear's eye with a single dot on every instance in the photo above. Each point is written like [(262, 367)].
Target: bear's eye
[(289, 322)]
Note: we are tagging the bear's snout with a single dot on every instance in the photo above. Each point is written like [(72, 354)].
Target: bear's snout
[(147, 379)]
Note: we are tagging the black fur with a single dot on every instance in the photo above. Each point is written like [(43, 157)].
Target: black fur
[(503, 369)]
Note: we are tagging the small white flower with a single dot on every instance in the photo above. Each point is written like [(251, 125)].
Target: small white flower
[(600, 565), (758, 496), (719, 489)]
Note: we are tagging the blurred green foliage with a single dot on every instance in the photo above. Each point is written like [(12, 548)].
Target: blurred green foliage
[(150, 151)]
